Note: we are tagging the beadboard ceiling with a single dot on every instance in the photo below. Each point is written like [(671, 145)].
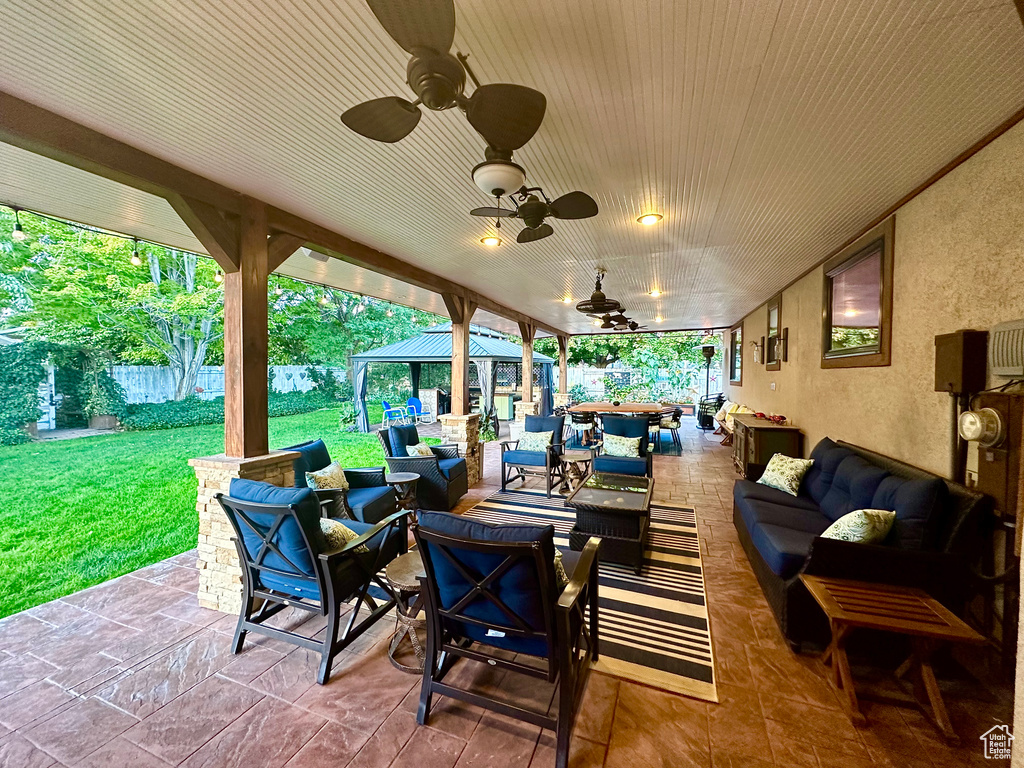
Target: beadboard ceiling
[(767, 132)]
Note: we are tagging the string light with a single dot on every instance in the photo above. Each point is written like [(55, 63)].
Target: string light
[(324, 300), (279, 290), (136, 259), (18, 235), (218, 277)]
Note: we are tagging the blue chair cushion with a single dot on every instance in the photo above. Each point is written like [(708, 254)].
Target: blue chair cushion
[(853, 487), (371, 505), (402, 436), (518, 588), (625, 426), (525, 458), (757, 511), (620, 465), (313, 457), (827, 458), (291, 537), (553, 424), (918, 504), (748, 489), (784, 549), (452, 468)]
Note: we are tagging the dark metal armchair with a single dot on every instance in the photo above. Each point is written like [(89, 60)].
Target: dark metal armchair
[(443, 475), (286, 562), (369, 498), (490, 589), (516, 464)]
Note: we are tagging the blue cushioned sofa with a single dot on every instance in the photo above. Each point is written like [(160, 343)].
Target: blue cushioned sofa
[(369, 498), (935, 538)]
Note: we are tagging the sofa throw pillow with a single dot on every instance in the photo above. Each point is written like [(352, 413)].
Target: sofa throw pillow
[(616, 445), (338, 534), (331, 476), (863, 526), (535, 441), (785, 473), (669, 424), (561, 577), (420, 449)]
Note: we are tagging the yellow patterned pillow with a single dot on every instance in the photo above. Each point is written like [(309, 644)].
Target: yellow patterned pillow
[(338, 534), (785, 473), (561, 577), (331, 476), (863, 526), (616, 445), (420, 449)]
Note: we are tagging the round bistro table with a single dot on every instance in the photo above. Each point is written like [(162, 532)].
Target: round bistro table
[(404, 484), (403, 575)]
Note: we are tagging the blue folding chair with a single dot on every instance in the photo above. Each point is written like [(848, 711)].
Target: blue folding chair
[(392, 415), (417, 413)]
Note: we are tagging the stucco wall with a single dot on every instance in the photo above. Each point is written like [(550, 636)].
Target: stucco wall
[(958, 263)]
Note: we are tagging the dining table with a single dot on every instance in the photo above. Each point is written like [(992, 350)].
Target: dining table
[(617, 408)]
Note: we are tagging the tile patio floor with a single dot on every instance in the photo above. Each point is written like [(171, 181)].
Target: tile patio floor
[(133, 673)]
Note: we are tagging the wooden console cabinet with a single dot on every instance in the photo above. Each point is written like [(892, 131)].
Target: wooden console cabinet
[(755, 441)]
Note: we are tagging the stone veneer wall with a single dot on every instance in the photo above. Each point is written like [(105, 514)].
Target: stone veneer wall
[(464, 431), (220, 576)]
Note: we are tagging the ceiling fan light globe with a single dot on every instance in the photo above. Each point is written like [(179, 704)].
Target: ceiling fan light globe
[(498, 177)]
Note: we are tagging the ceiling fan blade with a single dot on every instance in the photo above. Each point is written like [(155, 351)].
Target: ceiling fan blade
[(529, 235), (575, 205), (506, 115), (389, 119), (493, 213), (417, 23)]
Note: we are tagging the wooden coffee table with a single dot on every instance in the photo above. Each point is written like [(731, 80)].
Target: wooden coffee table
[(851, 604)]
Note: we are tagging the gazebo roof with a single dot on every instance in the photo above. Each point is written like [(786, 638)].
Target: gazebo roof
[(435, 346)]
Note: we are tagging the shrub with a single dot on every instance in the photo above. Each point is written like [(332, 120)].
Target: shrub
[(578, 393), (101, 395), (193, 411), (21, 371)]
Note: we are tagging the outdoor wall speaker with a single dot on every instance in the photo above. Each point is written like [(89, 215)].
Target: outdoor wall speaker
[(960, 361)]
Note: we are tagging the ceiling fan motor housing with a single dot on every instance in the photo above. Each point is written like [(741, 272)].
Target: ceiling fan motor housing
[(438, 79), (498, 177), (533, 211)]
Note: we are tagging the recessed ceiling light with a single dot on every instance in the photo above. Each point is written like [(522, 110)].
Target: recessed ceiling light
[(654, 294), (850, 313), (491, 241), (650, 218), (597, 323), (659, 319), (567, 299)]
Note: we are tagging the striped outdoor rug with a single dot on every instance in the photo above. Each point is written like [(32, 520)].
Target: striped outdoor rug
[(653, 627)]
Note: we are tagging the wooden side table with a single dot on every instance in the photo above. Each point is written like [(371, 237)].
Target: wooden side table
[(576, 466), (404, 484), (403, 575), (850, 604)]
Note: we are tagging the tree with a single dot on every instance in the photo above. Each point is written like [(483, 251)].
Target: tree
[(79, 286), (598, 351)]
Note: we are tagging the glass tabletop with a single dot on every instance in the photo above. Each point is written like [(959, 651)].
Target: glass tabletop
[(602, 489)]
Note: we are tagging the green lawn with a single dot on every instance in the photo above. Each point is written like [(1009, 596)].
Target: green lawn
[(74, 513)]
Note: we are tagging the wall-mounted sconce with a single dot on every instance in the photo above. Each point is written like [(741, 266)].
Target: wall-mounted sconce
[(758, 350)]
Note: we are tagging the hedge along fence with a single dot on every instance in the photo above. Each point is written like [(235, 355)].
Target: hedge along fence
[(193, 411), (21, 373)]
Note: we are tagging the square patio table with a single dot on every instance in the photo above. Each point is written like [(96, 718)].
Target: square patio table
[(617, 509)]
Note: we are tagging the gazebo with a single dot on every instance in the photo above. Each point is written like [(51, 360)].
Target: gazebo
[(487, 348)]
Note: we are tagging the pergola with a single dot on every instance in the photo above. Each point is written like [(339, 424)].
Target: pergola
[(486, 349)]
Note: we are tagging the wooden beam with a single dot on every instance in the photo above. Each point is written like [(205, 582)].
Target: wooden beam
[(246, 339), (563, 364), (460, 310), (215, 229), (280, 248), (528, 332), (1020, 9), (331, 243), (46, 133)]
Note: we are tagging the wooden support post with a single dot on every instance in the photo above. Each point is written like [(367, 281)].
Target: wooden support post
[(245, 339), (460, 310), (527, 331), (280, 246), (563, 364)]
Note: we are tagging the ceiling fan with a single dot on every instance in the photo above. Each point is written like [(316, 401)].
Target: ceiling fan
[(532, 210), (506, 115), (598, 304)]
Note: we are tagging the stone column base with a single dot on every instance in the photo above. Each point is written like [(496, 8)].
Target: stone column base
[(560, 398), (464, 431), (526, 408), (220, 576)]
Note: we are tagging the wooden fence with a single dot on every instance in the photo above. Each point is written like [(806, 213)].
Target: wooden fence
[(155, 383)]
